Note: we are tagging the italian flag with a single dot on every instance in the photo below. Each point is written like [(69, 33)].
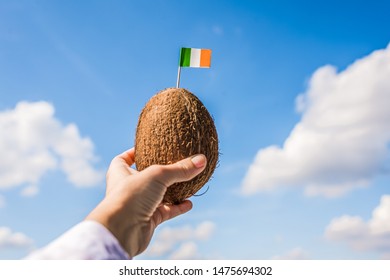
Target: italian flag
[(190, 57)]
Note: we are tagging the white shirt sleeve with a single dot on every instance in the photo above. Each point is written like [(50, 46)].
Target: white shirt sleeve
[(88, 240)]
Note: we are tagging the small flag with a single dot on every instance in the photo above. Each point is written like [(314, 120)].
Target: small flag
[(190, 57)]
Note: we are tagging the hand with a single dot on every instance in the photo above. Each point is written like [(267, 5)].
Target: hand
[(132, 207)]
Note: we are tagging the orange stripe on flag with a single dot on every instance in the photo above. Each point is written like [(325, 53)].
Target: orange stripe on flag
[(205, 58)]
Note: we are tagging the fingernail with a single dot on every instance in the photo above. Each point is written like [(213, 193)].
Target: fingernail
[(199, 161)]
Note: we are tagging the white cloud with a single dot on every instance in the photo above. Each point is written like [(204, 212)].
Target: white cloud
[(341, 141), (204, 230), (29, 191), (34, 142), (10, 239), (294, 254), (373, 235), (180, 242), (186, 251)]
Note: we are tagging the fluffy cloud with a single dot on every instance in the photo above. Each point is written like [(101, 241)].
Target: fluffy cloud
[(294, 254), (341, 141), (373, 235), (10, 239), (186, 251), (180, 242), (34, 142), (29, 191)]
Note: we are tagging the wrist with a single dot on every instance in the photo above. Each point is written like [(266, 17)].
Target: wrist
[(116, 222)]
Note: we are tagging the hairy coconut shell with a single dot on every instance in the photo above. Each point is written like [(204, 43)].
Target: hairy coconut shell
[(174, 125)]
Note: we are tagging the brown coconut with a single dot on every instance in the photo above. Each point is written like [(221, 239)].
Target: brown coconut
[(174, 125)]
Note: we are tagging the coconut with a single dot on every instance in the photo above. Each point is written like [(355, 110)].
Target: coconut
[(172, 126)]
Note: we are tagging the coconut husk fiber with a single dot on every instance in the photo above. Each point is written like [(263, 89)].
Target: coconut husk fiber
[(174, 125)]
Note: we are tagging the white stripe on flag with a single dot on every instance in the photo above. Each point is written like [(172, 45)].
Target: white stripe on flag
[(195, 58)]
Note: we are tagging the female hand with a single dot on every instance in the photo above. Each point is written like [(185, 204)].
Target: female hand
[(132, 207)]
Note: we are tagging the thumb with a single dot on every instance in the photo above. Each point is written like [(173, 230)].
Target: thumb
[(180, 171)]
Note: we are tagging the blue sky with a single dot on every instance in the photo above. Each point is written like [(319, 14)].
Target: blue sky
[(299, 91)]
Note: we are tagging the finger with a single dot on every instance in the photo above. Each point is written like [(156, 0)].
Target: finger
[(128, 156), (166, 212), (120, 165), (125, 159), (180, 171)]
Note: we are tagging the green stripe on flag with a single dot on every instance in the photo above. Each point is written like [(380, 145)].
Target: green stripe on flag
[(185, 57)]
